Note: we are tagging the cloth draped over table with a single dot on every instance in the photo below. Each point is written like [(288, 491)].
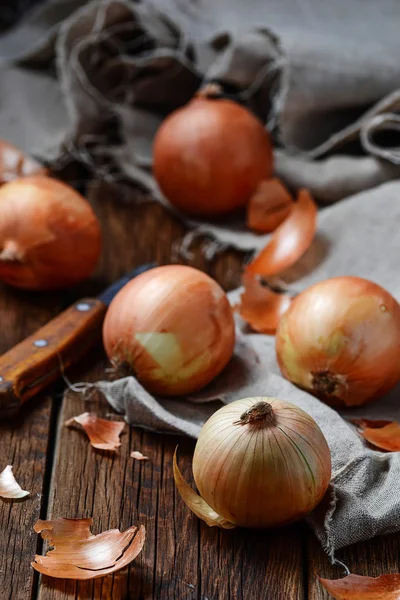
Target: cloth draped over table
[(94, 80)]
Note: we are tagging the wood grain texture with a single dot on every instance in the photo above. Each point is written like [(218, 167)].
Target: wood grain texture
[(24, 443), (29, 367), (182, 558), (373, 558)]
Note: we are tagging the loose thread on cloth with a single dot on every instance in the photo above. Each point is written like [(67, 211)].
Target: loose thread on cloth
[(80, 387)]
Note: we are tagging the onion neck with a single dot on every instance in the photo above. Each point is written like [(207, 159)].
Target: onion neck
[(210, 90), (260, 413), (11, 253)]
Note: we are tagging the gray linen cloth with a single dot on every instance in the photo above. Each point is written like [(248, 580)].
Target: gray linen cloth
[(94, 80), (358, 236)]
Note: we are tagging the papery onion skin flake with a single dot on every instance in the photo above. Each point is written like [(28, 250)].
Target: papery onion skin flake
[(340, 340), (289, 241), (9, 488), (269, 206)]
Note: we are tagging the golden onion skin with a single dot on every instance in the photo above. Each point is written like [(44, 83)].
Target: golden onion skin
[(173, 326), (50, 237), (340, 340), (267, 472)]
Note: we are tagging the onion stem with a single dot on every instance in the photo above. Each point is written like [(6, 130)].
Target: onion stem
[(210, 90), (11, 253), (260, 413)]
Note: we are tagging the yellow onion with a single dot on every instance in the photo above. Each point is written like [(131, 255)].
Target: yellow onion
[(258, 462), (210, 156), (173, 326), (49, 235), (340, 340)]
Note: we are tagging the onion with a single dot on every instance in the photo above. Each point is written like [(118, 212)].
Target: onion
[(340, 340), (260, 462), (173, 326), (210, 155), (49, 235)]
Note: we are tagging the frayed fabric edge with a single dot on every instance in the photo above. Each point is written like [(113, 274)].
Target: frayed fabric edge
[(323, 533)]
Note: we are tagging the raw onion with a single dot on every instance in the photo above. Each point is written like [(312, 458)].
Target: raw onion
[(258, 462), (49, 235), (173, 326), (210, 155), (340, 340)]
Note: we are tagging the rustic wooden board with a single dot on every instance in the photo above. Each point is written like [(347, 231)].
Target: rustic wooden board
[(182, 558), (372, 558), (24, 444)]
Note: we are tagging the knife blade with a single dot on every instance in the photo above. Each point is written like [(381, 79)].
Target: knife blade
[(37, 361)]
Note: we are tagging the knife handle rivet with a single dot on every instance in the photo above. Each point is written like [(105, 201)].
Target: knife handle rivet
[(40, 343), (83, 306)]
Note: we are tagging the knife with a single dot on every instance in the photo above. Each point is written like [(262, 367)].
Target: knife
[(34, 363)]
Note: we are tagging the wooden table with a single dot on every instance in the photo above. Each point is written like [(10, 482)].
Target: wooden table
[(182, 557)]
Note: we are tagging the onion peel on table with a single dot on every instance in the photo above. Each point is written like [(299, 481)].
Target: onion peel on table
[(196, 503), (102, 434), (260, 306), (382, 434), (289, 241), (138, 455), (356, 587), (9, 488), (269, 206), (15, 164), (78, 554)]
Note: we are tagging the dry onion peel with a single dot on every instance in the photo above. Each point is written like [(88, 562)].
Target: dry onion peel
[(49, 235), (14, 163), (259, 462), (269, 206), (356, 587), (382, 434), (102, 434), (260, 306), (138, 455), (196, 503), (173, 326), (78, 554), (289, 241), (9, 488), (340, 340)]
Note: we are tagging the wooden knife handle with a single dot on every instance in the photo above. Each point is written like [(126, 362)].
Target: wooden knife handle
[(30, 366)]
